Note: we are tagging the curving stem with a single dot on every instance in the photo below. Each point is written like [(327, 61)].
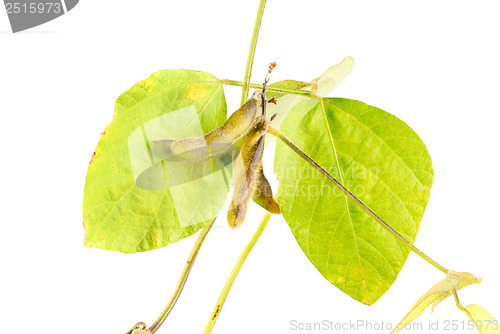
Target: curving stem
[(182, 280)]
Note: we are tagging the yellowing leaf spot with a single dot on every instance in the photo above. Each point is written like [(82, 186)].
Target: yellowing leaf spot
[(197, 94)]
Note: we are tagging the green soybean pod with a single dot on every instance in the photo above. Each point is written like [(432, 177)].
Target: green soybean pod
[(215, 143), (263, 194), (245, 178)]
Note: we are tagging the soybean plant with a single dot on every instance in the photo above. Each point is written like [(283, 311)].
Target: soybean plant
[(163, 169)]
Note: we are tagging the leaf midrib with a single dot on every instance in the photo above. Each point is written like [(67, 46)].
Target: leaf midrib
[(346, 199)]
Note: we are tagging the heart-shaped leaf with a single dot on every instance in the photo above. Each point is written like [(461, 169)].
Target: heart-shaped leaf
[(379, 159), (120, 215)]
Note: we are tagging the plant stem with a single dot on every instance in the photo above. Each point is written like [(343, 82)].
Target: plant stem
[(269, 88), (457, 301), (234, 273), (251, 51), (281, 136), (244, 96), (182, 280)]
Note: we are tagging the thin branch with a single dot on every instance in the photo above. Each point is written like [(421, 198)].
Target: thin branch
[(457, 301), (182, 279), (269, 88), (234, 273), (251, 51), (281, 136)]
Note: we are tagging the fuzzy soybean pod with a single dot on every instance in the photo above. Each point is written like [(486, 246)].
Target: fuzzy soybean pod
[(263, 194), (216, 143), (245, 176), (249, 180)]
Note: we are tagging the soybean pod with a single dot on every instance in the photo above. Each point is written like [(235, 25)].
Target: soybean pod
[(250, 181), (263, 194), (220, 141), (245, 178)]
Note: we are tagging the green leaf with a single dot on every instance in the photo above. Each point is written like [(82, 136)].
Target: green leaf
[(379, 159), (332, 77), (465, 280), (118, 214), (485, 323), (290, 85)]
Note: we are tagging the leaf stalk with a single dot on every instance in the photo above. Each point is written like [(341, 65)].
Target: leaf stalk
[(306, 93)]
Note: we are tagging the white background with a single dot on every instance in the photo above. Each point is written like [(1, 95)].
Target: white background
[(434, 64)]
